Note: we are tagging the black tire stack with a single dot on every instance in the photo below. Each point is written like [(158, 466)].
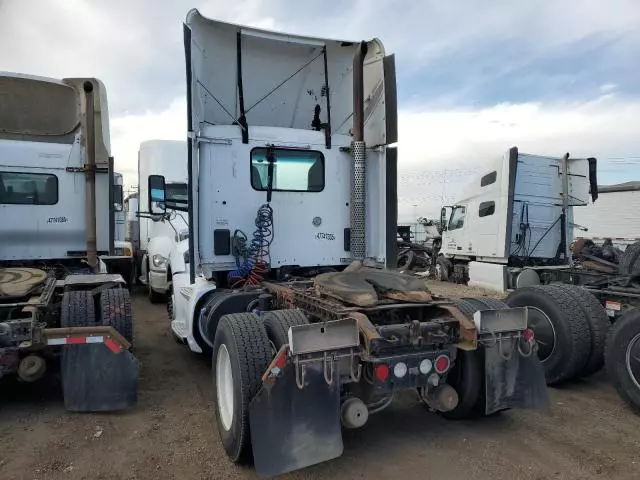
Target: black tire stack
[(629, 263), (571, 329)]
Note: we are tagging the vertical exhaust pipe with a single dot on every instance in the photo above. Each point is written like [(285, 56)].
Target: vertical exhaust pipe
[(90, 179), (358, 153)]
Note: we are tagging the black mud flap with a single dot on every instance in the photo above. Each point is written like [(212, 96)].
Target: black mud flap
[(516, 382), (293, 428), (94, 379)]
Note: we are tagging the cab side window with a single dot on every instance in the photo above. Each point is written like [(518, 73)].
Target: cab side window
[(457, 218)]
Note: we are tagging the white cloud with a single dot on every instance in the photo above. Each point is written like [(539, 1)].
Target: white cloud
[(128, 131), (462, 140)]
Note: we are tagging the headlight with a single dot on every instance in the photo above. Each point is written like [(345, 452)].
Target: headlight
[(159, 261)]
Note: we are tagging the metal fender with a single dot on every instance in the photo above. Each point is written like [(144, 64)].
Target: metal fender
[(186, 299)]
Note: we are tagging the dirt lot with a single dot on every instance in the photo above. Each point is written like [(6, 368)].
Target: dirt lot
[(588, 433)]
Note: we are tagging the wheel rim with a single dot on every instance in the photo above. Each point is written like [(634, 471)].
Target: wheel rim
[(633, 360), (544, 333), (224, 387)]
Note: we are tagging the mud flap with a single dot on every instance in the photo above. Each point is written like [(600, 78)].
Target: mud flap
[(516, 382), (94, 379), (293, 428)]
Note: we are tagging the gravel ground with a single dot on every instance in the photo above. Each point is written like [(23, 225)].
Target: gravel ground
[(587, 434)]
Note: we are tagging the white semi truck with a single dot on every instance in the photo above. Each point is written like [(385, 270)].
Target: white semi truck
[(292, 210), (514, 225), (61, 292), (158, 233)]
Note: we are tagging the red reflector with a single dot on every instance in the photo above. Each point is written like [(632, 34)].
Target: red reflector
[(281, 359), (527, 335), (442, 364), (76, 340), (382, 372)]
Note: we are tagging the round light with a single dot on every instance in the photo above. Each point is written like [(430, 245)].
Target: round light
[(442, 364), (400, 369), (382, 372), (425, 366)]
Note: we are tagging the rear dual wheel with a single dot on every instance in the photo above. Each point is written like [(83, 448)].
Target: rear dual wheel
[(570, 328), (242, 351), (241, 354), (467, 375)]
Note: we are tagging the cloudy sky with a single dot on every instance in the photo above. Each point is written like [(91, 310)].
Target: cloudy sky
[(475, 77)]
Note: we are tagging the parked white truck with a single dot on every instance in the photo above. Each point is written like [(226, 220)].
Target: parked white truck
[(61, 292), (513, 226), (291, 179), (158, 233)]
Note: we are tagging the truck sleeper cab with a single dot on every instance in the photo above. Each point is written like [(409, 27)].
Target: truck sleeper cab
[(292, 221)]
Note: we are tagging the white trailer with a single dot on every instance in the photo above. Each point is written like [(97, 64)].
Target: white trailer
[(158, 233), (514, 224), (613, 216), (291, 179), (61, 291)]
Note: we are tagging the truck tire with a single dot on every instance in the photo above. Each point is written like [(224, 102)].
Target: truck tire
[(277, 323), (599, 325), (628, 263), (467, 376), (561, 329), (115, 309), (442, 268), (622, 357), (77, 309), (241, 354)]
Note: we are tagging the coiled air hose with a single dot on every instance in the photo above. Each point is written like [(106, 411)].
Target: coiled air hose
[(255, 264)]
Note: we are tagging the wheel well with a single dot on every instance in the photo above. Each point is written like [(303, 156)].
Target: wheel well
[(195, 325)]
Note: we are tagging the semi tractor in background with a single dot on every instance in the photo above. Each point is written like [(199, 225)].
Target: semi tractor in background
[(159, 232), (283, 278), (62, 295), (514, 227)]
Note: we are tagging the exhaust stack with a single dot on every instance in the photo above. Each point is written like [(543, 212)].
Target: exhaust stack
[(90, 179), (358, 154)]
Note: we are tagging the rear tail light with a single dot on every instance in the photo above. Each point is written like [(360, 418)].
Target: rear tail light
[(442, 364), (382, 372), (528, 335)]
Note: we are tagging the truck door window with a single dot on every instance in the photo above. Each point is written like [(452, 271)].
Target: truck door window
[(293, 170), (488, 179), (486, 209), (28, 188), (457, 218)]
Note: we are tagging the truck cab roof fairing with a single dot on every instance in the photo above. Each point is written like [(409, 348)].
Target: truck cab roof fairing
[(283, 78)]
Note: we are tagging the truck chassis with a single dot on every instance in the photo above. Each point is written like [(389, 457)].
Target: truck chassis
[(83, 321), (321, 354)]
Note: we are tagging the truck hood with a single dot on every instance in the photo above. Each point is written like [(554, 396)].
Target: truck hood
[(280, 79)]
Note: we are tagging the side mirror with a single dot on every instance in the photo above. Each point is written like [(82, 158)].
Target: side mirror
[(118, 198), (443, 219), (157, 192)]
